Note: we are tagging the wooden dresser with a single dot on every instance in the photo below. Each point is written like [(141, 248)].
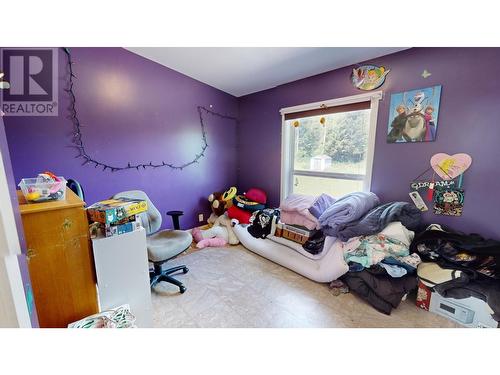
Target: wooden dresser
[(59, 259)]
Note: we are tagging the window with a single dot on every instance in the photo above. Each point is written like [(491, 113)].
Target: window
[(328, 147)]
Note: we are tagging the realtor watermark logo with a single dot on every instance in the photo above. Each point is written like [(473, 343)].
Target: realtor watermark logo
[(32, 76)]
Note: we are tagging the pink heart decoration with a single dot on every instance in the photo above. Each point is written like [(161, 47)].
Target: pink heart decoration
[(450, 166)]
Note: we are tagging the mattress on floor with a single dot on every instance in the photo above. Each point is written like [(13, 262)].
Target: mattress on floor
[(298, 247), (330, 267)]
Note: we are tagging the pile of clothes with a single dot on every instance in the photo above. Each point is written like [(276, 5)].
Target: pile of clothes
[(458, 266), (381, 250), (375, 240)]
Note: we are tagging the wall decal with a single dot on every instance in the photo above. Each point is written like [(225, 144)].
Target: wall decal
[(423, 187), (418, 201), (449, 167), (413, 115), (88, 159), (369, 77), (426, 74), (449, 202), (3, 84)]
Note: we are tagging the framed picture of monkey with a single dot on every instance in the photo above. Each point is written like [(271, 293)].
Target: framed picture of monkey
[(413, 115)]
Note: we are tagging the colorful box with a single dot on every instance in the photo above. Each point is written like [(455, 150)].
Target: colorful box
[(114, 210), (115, 230)]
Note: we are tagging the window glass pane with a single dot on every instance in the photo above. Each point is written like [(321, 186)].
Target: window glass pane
[(332, 143), (317, 185)]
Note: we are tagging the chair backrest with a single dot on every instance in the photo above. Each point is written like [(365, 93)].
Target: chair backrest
[(151, 219), (75, 186)]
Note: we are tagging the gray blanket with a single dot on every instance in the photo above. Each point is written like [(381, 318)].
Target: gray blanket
[(377, 219)]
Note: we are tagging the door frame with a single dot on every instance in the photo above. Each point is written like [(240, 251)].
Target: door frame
[(13, 305)]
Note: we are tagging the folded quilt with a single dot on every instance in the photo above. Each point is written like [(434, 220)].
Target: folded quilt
[(345, 210), (379, 217), (320, 204)]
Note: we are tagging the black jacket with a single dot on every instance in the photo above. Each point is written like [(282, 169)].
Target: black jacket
[(379, 289)]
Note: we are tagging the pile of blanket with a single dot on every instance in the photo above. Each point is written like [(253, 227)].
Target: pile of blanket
[(375, 240), (295, 211)]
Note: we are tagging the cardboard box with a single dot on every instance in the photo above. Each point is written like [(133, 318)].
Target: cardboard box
[(114, 210), (115, 230)]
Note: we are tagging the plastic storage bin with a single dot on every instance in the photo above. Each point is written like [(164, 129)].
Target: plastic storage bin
[(37, 190)]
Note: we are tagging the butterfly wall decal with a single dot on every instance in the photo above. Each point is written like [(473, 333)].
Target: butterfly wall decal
[(426, 73), (3, 84)]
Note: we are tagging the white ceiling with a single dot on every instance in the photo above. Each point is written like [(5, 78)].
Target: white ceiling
[(243, 70)]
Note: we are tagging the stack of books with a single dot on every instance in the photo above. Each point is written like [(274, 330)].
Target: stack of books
[(113, 217)]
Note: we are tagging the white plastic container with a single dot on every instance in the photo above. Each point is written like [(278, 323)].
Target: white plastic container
[(36, 190)]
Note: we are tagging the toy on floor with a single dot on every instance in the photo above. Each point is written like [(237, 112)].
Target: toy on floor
[(220, 202), (222, 227), (244, 205), (211, 242)]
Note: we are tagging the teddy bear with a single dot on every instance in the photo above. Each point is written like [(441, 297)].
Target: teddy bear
[(221, 232)]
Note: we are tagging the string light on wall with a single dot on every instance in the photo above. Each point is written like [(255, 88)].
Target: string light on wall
[(87, 159)]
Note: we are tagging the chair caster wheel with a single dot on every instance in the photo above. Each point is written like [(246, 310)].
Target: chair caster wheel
[(182, 289), (185, 270)]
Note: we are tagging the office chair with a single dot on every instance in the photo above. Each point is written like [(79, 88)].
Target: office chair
[(163, 245), (75, 186)]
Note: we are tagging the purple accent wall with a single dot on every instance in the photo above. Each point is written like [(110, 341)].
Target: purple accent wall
[(132, 110), (468, 122), (136, 110)]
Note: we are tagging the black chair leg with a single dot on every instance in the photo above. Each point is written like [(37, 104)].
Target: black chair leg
[(171, 280), (155, 279), (157, 274), (172, 270)]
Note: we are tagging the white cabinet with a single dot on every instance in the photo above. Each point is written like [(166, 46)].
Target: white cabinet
[(122, 270)]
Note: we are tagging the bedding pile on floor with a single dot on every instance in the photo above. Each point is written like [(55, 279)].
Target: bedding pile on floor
[(371, 241), (370, 249), (375, 241)]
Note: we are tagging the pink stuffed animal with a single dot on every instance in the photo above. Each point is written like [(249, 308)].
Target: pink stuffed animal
[(211, 242)]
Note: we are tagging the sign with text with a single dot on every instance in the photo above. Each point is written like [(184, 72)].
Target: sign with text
[(33, 77)]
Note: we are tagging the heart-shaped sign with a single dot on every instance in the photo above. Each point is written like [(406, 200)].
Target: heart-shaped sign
[(450, 166)]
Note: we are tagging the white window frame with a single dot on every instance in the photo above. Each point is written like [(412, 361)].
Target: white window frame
[(288, 140)]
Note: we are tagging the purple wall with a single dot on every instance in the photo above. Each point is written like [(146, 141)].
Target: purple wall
[(136, 110), (468, 123), (132, 110)]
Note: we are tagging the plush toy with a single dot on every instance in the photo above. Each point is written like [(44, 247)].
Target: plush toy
[(222, 228), (244, 205), (220, 202), (211, 242)]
